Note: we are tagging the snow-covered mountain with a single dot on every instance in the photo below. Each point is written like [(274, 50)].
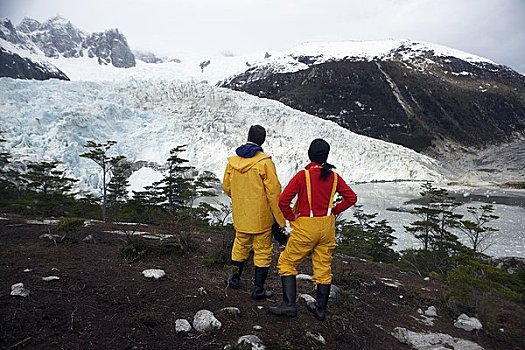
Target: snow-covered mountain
[(53, 120), (315, 53), (433, 99), (20, 64), (57, 37)]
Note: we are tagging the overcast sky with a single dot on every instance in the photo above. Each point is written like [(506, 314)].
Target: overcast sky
[(494, 29)]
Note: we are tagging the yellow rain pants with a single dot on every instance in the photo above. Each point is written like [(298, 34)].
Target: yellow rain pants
[(311, 235), (262, 247)]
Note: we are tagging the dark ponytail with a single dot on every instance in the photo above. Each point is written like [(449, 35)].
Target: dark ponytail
[(326, 170)]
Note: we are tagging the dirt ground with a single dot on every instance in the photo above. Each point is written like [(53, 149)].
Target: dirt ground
[(102, 301)]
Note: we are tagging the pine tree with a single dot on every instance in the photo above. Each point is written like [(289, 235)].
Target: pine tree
[(117, 187), (44, 177), (367, 238), (50, 190), (437, 218), (477, 230), (423, 228), (98, 152), (176, 185), (204, 185), (147, 203), (441, 247)]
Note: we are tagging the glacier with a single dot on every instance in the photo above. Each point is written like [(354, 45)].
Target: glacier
[(52, 120)]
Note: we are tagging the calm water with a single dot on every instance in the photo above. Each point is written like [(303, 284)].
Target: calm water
[(389, 200)]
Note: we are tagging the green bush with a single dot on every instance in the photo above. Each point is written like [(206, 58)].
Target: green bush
[(476, 285), (69, 224), (366, 238), (137, 248)]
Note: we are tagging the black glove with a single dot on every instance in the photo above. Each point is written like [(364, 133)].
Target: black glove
[(278, 234)]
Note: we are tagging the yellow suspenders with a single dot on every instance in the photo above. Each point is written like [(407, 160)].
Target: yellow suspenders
[(309, 193)]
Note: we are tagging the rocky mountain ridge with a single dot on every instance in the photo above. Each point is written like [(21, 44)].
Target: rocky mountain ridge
[(57, 37), (419, 95)]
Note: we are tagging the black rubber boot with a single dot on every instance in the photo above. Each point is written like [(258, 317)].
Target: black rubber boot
[(235, 280), (319, 307), (260, 278), (287, 307)]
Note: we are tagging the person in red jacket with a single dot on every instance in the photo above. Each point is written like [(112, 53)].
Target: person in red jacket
[(313, 228)]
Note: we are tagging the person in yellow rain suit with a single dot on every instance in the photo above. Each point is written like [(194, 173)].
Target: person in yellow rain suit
[(313, 228), (250, 179)]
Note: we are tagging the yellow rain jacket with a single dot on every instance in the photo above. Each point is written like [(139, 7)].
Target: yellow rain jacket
[(254, 188)]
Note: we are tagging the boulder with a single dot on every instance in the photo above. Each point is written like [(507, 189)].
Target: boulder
[(467, 323), (434, 341), (182, 326), (154, 273), (18, 290), (252, 340), (232, 311), (205, 321), (316, 336), (50, 278)]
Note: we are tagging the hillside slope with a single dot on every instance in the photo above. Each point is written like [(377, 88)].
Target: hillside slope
[(101, 300), (419, 95)]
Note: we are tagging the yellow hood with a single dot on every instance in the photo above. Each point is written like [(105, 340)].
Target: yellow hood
[(242, 165)]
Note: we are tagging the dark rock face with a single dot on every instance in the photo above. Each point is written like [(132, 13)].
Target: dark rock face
[(396, 101), (110, 47), (9, 33), (15, 66), (58, 37), (28, 25)]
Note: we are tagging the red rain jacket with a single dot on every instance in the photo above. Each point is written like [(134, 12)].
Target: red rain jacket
[(321, 190)]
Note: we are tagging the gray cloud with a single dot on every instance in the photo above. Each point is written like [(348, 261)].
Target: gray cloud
[(494, 29)]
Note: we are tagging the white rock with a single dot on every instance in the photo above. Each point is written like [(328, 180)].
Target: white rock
[(182, 326), (306, 297), (467, 323), (318, 337), (334, 293), (201, 291), (303, 277), (426, 279), (233, 311), (257, 327), (49, 236), (432, 341), (260, 307), (18, 290), (205, 321), (42, 222), (391, 283), (154, 273), (208, 240), (431, 311), (28, 270), (89, 239), (50, 278), (252, 340)]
